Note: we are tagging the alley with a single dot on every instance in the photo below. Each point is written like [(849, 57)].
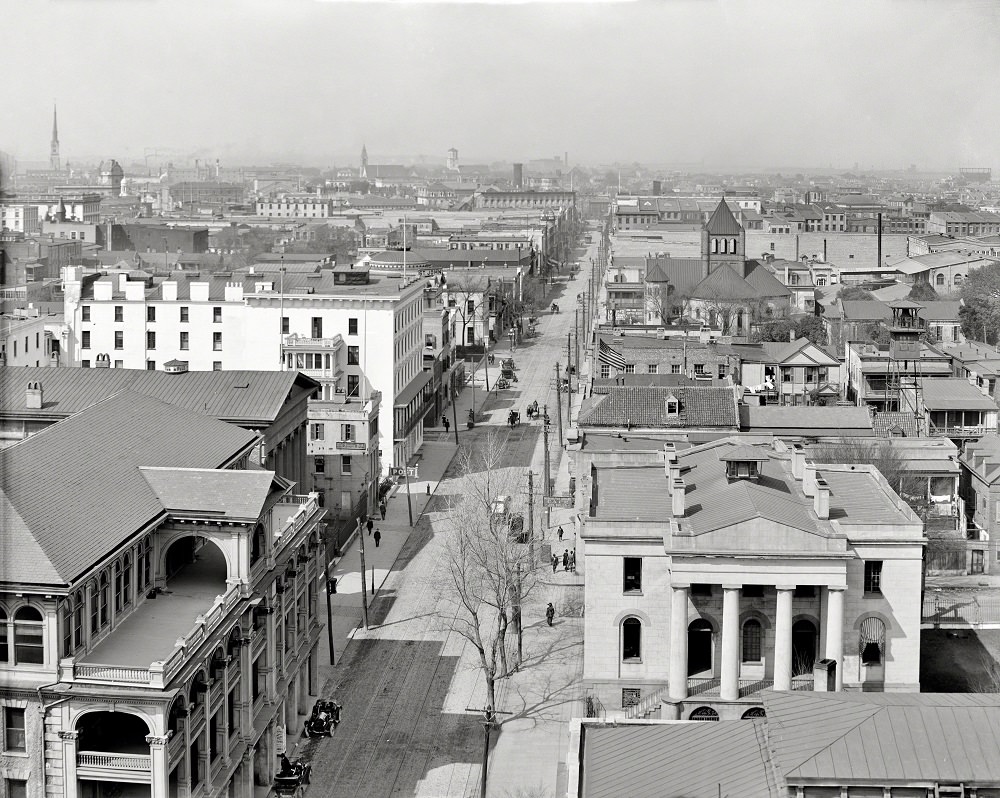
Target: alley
[(407, 681)]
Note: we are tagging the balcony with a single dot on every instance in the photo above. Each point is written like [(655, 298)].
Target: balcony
[(299, 343), (710, 686), (104, 766), (291, 514)]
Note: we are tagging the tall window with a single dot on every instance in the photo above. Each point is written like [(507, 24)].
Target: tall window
[(29, 645), (85, 313), (347, 432), (119, 339), (285, 326), (13, 724), (752, 634), (85, 339), (217, 315), (217, 341), (317, 327), (4, 642), (150, 340), (318, 432), (632, 574), (873, 577), (151, 313), (345, 464), (353, 384), (352, 326), (185, 340), (353, 355), (631, 639), (184, 314), (119, 313)]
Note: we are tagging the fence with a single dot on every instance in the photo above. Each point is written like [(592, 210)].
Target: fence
[(961, 609)]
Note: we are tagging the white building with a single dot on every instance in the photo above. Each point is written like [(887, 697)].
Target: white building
[(19, 217), (354, 332), (299, 206)]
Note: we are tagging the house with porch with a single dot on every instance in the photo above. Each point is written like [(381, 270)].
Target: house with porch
[(955, 408), (727, 568), (798, 372)]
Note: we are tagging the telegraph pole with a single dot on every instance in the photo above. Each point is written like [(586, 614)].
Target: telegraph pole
[(330, 587), (569, 360), (559, 405), (454, 410), (409, 505), (531, 510), (576, 338), (545, 434), (364, 588)]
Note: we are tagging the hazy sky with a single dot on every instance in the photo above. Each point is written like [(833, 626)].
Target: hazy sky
[(748, 83)]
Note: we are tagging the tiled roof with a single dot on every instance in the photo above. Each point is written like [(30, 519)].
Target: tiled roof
[(254, 398), (722, 222), (76, 489), (723, 283), (910, 737), (694, 760), (644, 407), (893, 423)]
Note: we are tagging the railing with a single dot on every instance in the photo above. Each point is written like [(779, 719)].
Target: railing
[(308, 505), (960, 430), (295, 341), (966, 609), (593, 708), (109, 673), (134, 762), (646, 704)]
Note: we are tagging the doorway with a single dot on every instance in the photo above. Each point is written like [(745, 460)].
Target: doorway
[(978, 561), (804, 638), (700, 645)]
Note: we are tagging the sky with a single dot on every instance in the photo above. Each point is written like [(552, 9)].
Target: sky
[(720, 84)]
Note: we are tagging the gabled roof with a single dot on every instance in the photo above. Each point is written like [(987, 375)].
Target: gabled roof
[(953, 393), (73, 492), (237, 495), (865, 310), (895, 424), (646, 407), (724, 284), (765, 283), (722, 221)]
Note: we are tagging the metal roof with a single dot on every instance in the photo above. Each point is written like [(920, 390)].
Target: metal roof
[(237, 495), (722, 222), (691, 759), (73, 492), (956, 393)]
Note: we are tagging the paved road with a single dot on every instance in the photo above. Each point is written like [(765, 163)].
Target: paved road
[(406, 683)]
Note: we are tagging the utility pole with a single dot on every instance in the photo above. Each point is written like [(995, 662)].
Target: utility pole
[(409, 504), (330, 587), (531, 514), (454, 411), (569, 360), (559, 405), (545, 434), (576, 338), (364, 589), (489, 715)]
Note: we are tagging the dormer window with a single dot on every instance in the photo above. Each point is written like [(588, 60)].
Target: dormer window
[(673, 406), (742, 469), (743, 462)]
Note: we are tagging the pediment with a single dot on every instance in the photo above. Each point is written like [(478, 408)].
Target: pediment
[(759, 536)]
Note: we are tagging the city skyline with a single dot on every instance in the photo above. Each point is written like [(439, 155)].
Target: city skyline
[(726, 85)]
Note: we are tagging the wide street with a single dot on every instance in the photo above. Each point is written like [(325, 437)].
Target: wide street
[(407, 682)]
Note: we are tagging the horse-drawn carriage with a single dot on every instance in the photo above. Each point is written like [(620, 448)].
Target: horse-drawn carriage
[(290, 780), (513, 418), (532, 411)]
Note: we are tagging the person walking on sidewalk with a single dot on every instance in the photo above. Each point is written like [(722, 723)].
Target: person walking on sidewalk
[(572, 561), (550, 613), (445, 423), (555, 562), (378, 536), (370, 525), (381, 508), (560, 534), (566, 560)]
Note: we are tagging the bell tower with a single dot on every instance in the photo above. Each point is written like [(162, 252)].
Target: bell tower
[(723, 240), (364, 161), (54, 163)]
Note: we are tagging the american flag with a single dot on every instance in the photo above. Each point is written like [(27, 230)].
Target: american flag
[(605, 354)]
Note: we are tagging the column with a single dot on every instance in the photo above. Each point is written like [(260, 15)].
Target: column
[(835, 629), (783, 638), (70, 787), (245, 774), (679, 643), (730, 687), (159, 773)]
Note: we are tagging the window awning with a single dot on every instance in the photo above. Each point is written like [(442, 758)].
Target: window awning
[(415, 387), (872, 631)]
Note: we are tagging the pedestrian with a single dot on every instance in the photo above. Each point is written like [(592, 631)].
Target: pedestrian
[(566, 560), (572, 561), (381, 508), (370, 525), (555, 562), (560, 533), (445, 423), (550, 613), (378, 536)]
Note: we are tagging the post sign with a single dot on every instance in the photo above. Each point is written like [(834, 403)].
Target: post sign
[(357, 445), (396, 471), (565, 502), (280, 740)]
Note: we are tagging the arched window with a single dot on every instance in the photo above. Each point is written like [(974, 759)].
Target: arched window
[(95, 614), (704, 713), (752, 634), (66, 619), (118, 587), (715, 245), (104, 592), (871, 641), (29, 641), (958, 279), (126, 580), (939, 280), (732, 246), (753, 712), (631, 639), (79, 610), (4, 642)]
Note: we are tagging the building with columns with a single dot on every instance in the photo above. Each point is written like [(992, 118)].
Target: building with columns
[(158, 607), (732, 567)]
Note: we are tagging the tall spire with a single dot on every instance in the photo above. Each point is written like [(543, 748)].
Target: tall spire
[(54, 147)]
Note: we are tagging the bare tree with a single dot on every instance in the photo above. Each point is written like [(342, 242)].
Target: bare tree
[(490, 573), (470, 296), (881, 454)]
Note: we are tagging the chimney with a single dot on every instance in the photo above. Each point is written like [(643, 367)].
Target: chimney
[(672, 469), (33, 400), (821, 501), (798, 460), (791, 336), (677, 489), (809, 478)]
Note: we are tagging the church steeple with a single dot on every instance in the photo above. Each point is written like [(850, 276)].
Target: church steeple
[(54, 147)]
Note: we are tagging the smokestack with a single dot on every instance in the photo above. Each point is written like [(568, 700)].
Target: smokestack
[(824, 252), (519, 175), (879, 264), (657, 188), (566, 159)]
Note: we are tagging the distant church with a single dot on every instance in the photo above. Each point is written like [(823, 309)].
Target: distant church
[(721, 288)]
